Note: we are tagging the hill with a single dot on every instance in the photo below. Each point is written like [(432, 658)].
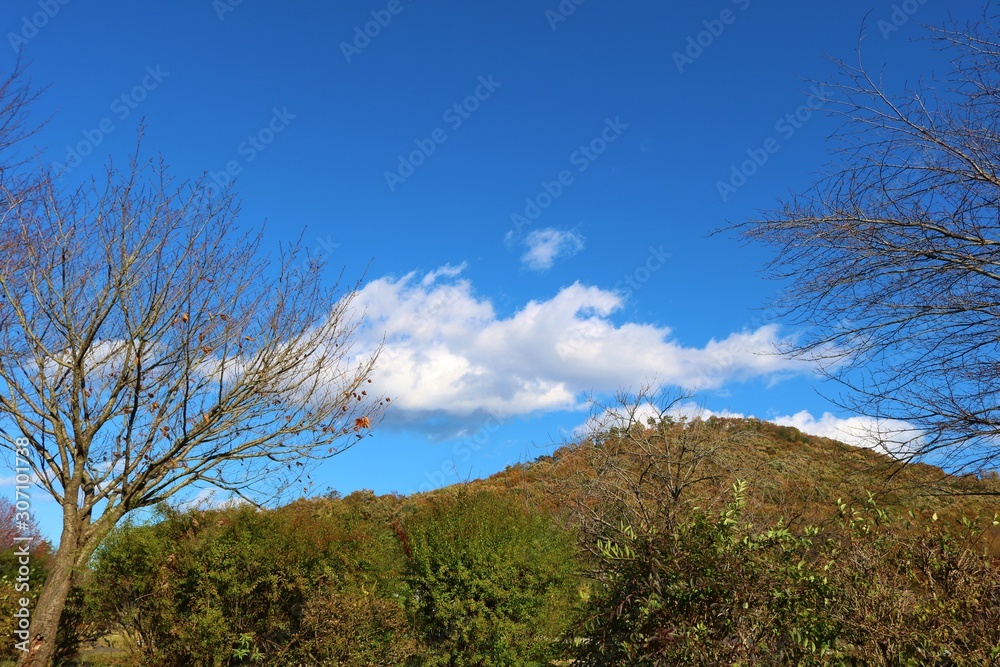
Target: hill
[(792, 477), (703, 542)]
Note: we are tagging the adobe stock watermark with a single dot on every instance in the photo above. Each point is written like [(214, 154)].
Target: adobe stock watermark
[(223, 7), (438, 307), (248, 150), (786, 127), (22, 522), (704, 39), (900, 16), (322, 251), (121, 108), (455, 116), (582, 158), (463, 451), (632, 282), (30, 25), (364, 34), (562, 13)]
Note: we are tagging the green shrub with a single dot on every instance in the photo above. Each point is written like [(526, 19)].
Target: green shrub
[(705, 591), (356, 629), (233, 586), (490, 582), (866, 590)]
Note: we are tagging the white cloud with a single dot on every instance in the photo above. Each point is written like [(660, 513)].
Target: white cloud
[(547, 245), (620, 417), (210, 499), (11, 481), (887, 436), (692, 411), (447, 352)]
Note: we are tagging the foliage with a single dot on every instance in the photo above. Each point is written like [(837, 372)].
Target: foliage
[(356, 629), (713, 589), (241, 586), (11, 589), (705, 591), (491, 582), (603, 570), (10, 594)]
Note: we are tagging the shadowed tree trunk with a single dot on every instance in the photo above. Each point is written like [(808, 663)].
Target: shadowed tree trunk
[(78, 541)]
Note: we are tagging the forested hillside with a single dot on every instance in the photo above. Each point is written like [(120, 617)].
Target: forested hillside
[(701, 542)]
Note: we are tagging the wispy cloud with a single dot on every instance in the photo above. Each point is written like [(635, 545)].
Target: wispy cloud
[(545, 246)]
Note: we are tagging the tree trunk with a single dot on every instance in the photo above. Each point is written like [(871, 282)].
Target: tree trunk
[(49, 608)]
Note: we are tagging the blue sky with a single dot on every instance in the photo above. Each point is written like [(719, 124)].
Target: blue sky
[(529, 188)]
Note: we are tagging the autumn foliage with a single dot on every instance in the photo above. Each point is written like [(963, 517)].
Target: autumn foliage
[(671, 542)]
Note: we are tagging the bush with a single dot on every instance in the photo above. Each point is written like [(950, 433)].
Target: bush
[(241, 586), (353, 630), (11, 589), (866, 590), (705, 591), (490, 582)]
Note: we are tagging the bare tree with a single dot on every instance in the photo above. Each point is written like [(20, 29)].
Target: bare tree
[(146, 345), (647, 459), (16, 182), (16, 96), (893, 258)]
